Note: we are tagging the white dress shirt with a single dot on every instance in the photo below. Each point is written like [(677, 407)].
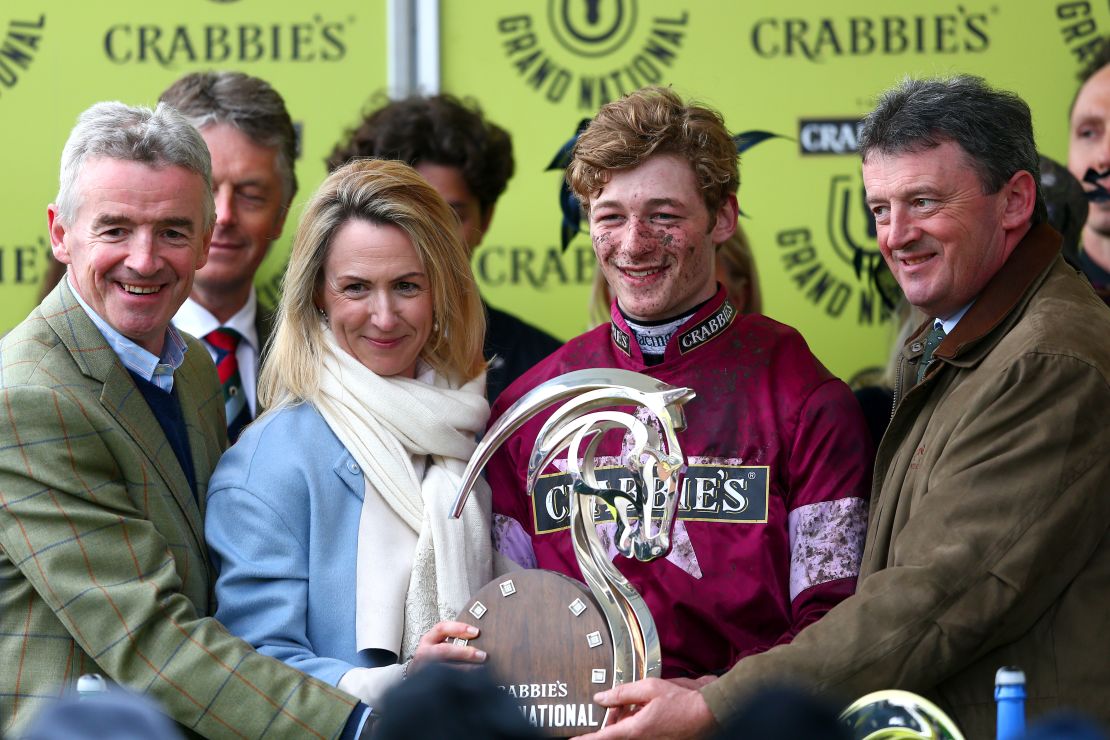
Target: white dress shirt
[(949, 323), (157, 370), (196, 320)]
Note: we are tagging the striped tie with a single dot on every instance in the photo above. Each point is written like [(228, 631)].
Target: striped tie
[(225, 341), (933, 339)]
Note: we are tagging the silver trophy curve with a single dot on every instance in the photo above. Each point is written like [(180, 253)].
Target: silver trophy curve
[(655, 460)]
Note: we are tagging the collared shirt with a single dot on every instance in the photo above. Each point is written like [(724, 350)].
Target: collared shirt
[(145, 364), (950, 323), (196, 320), (654, 336)]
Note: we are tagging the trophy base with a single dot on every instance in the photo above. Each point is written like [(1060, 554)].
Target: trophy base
[(548, 646)]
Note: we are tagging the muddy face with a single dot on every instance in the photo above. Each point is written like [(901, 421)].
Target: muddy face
[(655, 240)]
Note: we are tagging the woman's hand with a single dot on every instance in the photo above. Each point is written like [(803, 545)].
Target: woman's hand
[(438, 644)]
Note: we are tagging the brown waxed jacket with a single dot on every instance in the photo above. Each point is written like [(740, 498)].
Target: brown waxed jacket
[(989, 536)]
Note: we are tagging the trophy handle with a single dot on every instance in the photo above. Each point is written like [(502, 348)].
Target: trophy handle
[(636, 651)]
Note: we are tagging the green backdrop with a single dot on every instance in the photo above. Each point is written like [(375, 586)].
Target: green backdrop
[(804, 69), (58, 57)]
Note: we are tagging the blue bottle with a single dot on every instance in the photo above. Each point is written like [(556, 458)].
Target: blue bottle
[(1009, 695)]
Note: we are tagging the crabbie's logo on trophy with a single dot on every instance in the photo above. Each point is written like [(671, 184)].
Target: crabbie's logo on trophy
[(712, 490), (552, 642), (590, 52), (856, 286)]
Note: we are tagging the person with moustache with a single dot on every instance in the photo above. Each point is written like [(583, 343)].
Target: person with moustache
[(254, 146), (1089, 162), (988, 543), (657, 178), (468, 160), (113, 423)]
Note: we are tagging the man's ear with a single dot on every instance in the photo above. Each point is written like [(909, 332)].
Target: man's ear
[(206, 242), (1020, 200), (57, 235), (725, 225)]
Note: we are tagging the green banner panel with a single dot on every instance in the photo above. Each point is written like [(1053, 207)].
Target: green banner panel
[(59, 57), (804, 69)]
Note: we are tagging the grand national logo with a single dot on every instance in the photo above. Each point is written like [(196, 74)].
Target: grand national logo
[(18, 49), (590, 52), (712, 491), (1082, 26), (818, 257)]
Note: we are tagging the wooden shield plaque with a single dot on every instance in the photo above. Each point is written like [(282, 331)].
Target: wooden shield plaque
[(548, 646)]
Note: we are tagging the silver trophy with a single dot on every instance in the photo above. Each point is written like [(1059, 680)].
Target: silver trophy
[(592, 403)]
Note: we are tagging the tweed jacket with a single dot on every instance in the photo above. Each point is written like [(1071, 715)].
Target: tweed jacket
[(989, 536), (103, 566)]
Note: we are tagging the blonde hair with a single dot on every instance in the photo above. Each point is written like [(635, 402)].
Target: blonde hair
[(655, 120), (380, 192)]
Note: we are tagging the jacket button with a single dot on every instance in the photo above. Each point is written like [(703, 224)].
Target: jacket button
[(917, 347), (352, 466)]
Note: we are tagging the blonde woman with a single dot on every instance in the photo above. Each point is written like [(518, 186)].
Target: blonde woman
[(328, 519)]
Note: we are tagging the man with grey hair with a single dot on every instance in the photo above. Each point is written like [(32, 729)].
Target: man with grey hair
[(112, 424), (253, 143), (988, 540)]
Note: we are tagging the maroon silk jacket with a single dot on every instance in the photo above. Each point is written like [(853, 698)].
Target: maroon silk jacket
[(773, 507)]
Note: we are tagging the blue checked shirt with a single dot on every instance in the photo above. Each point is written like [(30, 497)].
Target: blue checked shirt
[(157, 370)]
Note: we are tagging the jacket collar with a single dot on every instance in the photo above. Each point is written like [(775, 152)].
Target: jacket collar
[(1007, 291), (92, 353), (120, 398), (707, 324)]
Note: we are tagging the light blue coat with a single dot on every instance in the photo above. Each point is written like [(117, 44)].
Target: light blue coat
[(282, 524)]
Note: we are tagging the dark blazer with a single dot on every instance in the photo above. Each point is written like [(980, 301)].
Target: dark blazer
[(512, 348), (264, 325), (103, 565)]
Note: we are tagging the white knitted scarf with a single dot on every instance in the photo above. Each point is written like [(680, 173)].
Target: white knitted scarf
[(386, 423)]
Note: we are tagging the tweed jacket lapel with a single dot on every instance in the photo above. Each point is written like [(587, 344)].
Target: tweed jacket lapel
[(122, 399)]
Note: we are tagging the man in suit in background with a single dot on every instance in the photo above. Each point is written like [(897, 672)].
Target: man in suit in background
[(253, 144), (112, 423)]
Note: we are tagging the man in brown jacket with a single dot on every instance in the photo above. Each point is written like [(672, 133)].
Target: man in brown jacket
[(989, 536)]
